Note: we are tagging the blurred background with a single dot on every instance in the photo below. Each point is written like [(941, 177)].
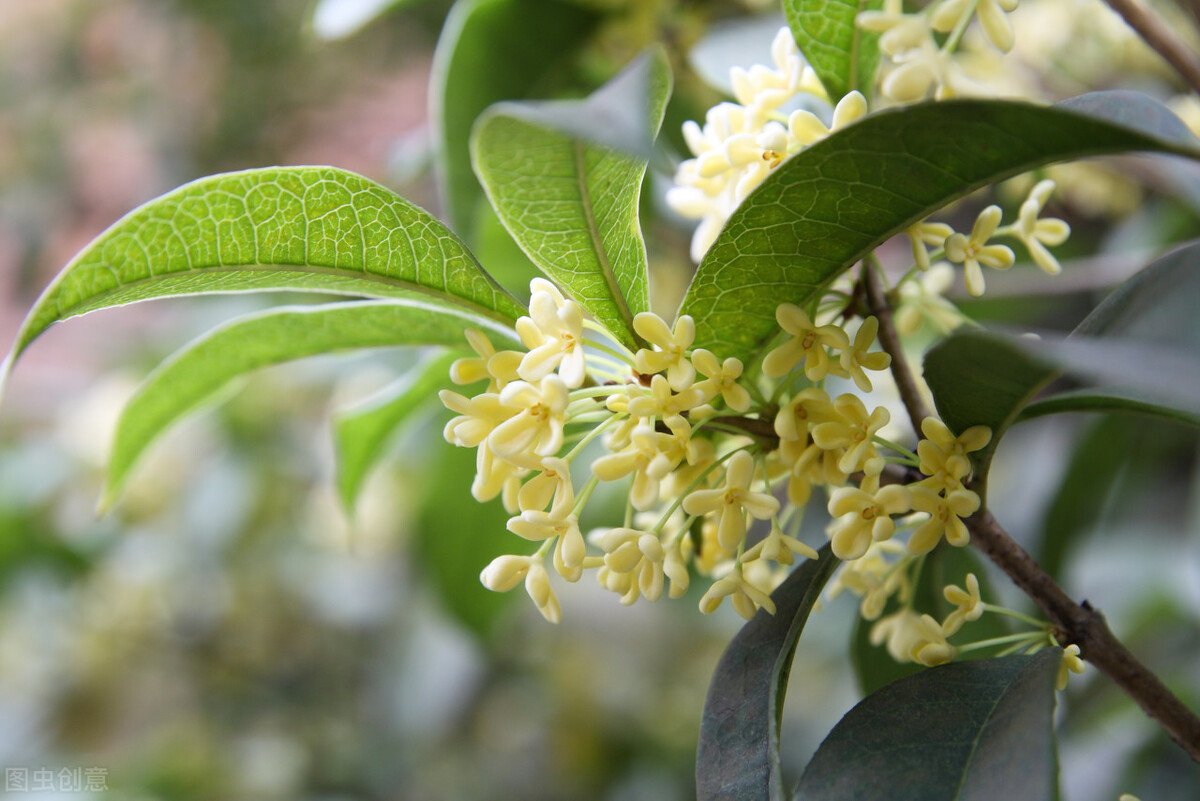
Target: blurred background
[(225, 631)]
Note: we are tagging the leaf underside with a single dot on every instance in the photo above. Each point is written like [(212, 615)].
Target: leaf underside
[(260, 340)]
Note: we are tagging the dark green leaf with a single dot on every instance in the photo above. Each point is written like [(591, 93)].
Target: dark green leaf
[(572, 205), (293, 228), (491, 50), (978, 378), (738, 756), (1125, 400), (980, 730), (843, 56), (211, 361), (362, 432), (1100, 458), (829, 205), (945, 564)]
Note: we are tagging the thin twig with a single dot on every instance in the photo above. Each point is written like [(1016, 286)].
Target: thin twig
[(889, 340), (1084, 626), (1159, 36)]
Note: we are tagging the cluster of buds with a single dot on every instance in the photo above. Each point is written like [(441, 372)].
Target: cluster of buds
[(720, 464)]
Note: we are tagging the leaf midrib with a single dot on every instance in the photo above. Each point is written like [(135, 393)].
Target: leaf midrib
[(606, 270), (407, 286), (979, 735)]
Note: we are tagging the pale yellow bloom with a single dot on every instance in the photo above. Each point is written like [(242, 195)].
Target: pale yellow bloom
[(968, 603), (807, 408), (931, 648), (1071, 663), (1036, 233), (662, 402), (638, 553), (499, 367), (536, 430), (807, 345), (945, 518), (943, 456), (921, 299), (992, 18), (853, 431), (863, 517), (637, 459), (672, 347), (807, 128), (536, 526), (974, 251), (734, 501), (778, 547), (505, 572), (855, 358), (553, 332), (925, 233), (742, 593), (721, 379), (873, 578), (551, 487)]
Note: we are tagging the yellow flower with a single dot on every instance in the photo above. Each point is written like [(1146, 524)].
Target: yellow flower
[(852, 432), (671, 355), (943, 456), (505, 572), (807, 345), (808, 407), (553, 332), (499, 367), (945, 518), (864, 517), (637, 458), (855, 358), (734, 501), (536, 525), (553, 484), (974, 251), (721, 379), (778, 547), (1036, 234), (639, 553), (806, 128), (992, 19), (1071, 663), (662, 402), (931, 648), (743, 594), (536, 430), (926, 233), (969, 604)]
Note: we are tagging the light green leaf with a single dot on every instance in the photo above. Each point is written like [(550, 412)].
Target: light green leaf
[(300, 228), (492, 50), (572, 205), (829, 205), (738, 755), (1125, 400), (259, 340), (361, 432), (980, 730), (843, 56)]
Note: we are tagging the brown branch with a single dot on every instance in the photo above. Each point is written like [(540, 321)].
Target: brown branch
[(1084, 626), (889, 340), (1159, 36)]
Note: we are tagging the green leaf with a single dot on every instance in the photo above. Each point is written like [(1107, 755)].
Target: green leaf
[(979, 378), (361, 432), (829, 205), (1125, 400), (738, 755), (248, 343), (1101, 456), (945, 564), (300, 228), (492, 50), (572, 205), (980, 730), (843, 56)]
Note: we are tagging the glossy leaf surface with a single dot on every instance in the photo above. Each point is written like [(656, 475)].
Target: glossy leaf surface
[(572, 204), (738, 756), (825, 208), (980, 730), (843, 55), (304, 228)]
